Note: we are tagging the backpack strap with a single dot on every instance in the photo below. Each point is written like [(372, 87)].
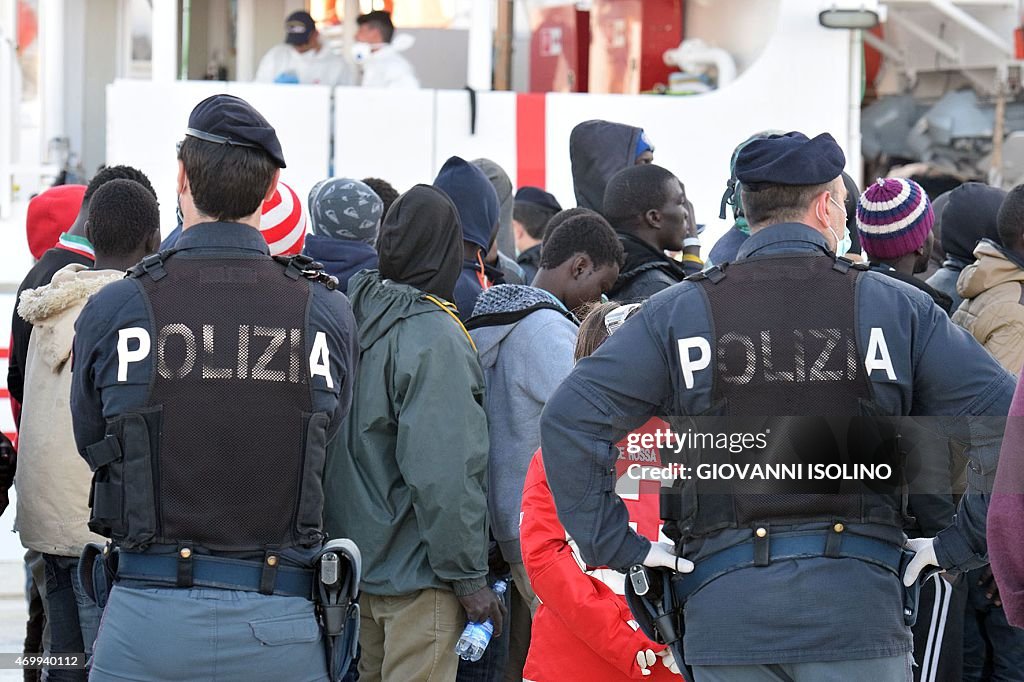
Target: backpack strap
[(844, 265), (714, 274), (152, 265), (303, 266)]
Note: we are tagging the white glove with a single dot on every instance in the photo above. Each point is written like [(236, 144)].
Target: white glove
[(663, 555), (670, 661), (924, 556), (645, 659)]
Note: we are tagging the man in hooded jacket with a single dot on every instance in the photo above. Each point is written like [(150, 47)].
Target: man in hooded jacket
[(477, 203), (345, 215), (938, 256), (969, 217), (991, 288), (992, 312), (406, 475), (501, 244), (600, 149), (525, 336)]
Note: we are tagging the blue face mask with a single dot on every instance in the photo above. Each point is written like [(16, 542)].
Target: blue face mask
[(843, 245)]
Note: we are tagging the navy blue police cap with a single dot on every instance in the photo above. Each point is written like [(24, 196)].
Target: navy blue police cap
[(789, 159), (535, 195), (225, 119)]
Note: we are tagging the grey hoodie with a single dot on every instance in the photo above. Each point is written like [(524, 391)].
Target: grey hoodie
[(525, 339), (503, 187)]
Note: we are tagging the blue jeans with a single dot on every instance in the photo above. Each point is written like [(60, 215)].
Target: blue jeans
[(37, 634), (993, 649), (73, 617), (173, 634)]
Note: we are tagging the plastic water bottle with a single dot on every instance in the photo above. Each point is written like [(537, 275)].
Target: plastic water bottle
[(477, 636)]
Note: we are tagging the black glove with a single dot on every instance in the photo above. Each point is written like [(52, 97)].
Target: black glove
[(8, 458)]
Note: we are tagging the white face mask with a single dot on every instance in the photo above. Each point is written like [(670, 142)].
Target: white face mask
[(843, 245), (362, 51)]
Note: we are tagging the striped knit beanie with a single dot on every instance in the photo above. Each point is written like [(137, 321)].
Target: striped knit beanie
[(894, 218), (283, 222)]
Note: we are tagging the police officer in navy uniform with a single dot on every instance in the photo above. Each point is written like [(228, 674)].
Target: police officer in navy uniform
[(806, 586), (206, 387)]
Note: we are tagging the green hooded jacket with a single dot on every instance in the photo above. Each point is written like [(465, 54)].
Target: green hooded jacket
[(406, 475)]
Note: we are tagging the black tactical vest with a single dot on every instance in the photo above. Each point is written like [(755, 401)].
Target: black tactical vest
[(787, 364), (226, 454)]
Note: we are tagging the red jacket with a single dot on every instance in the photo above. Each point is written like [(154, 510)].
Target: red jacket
[(583, 629)]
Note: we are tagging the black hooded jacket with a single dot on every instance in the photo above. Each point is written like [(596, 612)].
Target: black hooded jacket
[(420, 242), (969, 216), (599, 150)]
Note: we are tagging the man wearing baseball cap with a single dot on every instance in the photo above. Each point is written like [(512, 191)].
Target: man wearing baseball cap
[(532, 210), (205, 389), (783, 576), (301, 58)]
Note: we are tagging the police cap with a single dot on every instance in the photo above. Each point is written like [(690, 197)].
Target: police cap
[(225, 119), (538, 197), (789, 159)]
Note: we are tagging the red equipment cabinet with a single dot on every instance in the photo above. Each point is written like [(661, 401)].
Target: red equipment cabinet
[(629, 38), (559, 49), (615, 47)]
